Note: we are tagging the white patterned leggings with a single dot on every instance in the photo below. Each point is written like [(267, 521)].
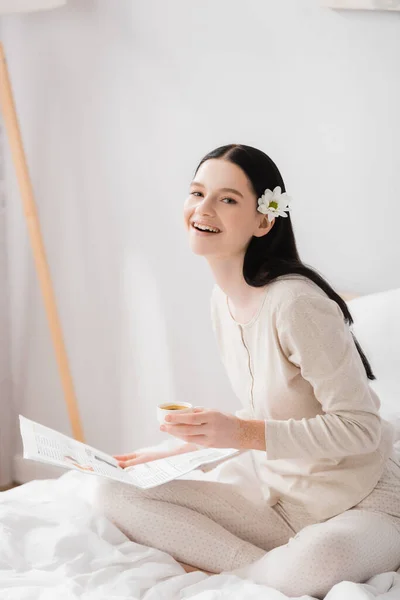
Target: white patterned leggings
[(211, 526)]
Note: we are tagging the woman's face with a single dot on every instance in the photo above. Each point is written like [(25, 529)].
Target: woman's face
[(220, 196)]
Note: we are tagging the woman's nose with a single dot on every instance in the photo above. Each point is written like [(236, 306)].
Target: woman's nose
[(206, 204)]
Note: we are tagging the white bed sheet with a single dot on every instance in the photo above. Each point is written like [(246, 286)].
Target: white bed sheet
[(54, 546)]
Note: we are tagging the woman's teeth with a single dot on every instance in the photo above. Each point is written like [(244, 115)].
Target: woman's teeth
[(205, 228)]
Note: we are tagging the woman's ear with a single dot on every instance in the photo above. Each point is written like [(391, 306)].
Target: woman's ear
[(264, 227)]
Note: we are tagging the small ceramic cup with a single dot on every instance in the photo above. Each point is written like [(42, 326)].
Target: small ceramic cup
[(165, 409)]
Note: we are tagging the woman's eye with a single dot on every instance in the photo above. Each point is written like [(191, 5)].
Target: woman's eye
[(223, 199)]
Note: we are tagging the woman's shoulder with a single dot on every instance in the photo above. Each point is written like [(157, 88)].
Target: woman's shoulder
[(284, 288), (287, 288), (298, 297)]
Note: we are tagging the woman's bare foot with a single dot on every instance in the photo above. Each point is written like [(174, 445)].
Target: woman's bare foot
[(190, 569)]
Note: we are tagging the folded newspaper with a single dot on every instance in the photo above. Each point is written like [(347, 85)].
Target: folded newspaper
[(46, 445)]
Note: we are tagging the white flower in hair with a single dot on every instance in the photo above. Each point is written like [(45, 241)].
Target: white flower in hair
[(274, 204)]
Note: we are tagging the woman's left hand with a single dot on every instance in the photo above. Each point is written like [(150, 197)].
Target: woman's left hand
[(208, 428)]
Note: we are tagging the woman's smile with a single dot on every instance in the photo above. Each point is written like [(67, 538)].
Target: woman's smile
[(202, 232)]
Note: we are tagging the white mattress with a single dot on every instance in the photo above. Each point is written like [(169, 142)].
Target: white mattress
[(54, 547)]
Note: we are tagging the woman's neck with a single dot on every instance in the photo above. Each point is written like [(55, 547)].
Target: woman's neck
[(228, 275)]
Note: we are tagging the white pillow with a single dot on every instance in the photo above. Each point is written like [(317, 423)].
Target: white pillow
[(377, 328)]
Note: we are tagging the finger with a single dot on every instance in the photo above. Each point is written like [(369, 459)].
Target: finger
[(180, 430), (193, 418), (124, 456), (200, 440), (134, 461)]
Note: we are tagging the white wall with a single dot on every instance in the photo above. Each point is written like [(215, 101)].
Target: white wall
[(118, 101)]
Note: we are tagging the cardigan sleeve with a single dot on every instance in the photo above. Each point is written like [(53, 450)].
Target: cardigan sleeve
[(243, 413), (314, 336)]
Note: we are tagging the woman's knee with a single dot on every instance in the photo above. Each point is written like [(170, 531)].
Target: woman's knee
[(111, 494), (330, 551), (318, 549), (318, 559), (104, 492), (325, 554)]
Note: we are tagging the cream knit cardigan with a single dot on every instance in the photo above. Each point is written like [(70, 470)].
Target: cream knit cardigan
[(295, 366)]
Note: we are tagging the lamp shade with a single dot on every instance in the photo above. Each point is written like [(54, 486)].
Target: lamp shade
[(18, 6)]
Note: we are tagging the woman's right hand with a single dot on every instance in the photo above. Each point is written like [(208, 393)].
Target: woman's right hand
[(136, 458)]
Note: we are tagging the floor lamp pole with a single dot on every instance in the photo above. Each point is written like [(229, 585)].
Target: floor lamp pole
[(17, 151)]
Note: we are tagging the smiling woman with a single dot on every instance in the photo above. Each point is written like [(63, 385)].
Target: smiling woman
[(251, 248), (325, 456)]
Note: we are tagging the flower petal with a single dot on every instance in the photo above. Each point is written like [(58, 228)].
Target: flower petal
[(277, 191), (267, 195)]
